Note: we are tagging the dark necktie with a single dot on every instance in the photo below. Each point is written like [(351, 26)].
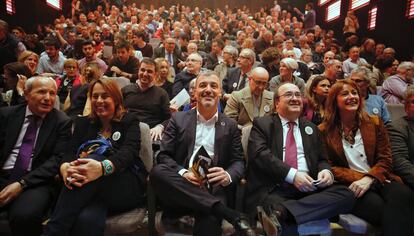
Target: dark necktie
[(170, 59), (25, 152), (291, 152), (242, 82)]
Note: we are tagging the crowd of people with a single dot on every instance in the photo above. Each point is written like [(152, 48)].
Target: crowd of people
[(322, 142)]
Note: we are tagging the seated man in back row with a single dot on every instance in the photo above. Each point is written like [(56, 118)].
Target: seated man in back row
[(174, 179), (149, 102), (252, 101), (288, 172)]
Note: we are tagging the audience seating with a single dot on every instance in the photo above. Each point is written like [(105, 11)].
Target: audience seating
[(130, 223), (135, 221)]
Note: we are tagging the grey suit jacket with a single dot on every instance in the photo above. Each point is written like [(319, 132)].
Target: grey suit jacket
[(401, 133), (240, 106)]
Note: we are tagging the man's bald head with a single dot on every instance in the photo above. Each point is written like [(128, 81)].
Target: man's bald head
[(258, 81)]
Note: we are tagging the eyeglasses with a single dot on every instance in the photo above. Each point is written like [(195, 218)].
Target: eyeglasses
[(260, 83), (290, 95)]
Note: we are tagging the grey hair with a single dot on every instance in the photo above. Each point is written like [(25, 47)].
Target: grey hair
[(194, 54), (28, 86), (231, 50), (332, 62), (249, 53), (4, 25), (363, 70), (409, 92), (405, 65), (208, 73), (290, 63)]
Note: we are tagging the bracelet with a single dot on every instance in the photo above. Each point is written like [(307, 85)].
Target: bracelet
[(107, 167)]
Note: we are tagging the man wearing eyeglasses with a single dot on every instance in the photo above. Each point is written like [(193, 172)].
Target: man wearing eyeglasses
[(252, 101), (182, 79), (288, 173)]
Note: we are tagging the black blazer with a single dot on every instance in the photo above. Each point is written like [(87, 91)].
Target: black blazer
[(232, 78), (401, 133), (54, 134), (126, 148), (177, 144), (160, 52), (266, 169), (211, 61)]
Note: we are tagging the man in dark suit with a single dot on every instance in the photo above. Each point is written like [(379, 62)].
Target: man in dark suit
[(237, 78), (288, 173), (401, 132), (174, 180), (32, 140), (170, 52), (216, 55)]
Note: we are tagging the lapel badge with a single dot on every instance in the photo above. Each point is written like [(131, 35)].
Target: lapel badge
[(116, 136), (234, 85), (266, 108), (222, 123), (308, 130), (375, 111)]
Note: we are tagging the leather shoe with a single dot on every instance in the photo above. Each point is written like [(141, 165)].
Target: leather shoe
[(242, 227), (270, 223)]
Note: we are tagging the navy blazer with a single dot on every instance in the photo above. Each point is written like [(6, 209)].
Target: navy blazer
[(52, 139), (231, 81)]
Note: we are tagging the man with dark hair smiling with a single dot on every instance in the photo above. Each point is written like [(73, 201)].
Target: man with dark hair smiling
[(149, 102), (174, 179)]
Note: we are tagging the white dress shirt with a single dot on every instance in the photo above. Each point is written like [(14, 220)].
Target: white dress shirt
[(355, 154)]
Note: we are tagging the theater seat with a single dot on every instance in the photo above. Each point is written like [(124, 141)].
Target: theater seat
[(356, 225), (134, 222)]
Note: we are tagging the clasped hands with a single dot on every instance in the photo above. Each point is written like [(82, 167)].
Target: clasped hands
[(216, 176), (304, 183), (80, 172)]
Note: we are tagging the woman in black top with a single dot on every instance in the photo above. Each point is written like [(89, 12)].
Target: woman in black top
[(101, 170)]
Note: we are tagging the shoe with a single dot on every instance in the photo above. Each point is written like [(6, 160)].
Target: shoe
[(270, 223), (242, 227)]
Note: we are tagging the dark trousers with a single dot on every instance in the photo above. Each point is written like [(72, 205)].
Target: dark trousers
[(390, 206), (178, 195), (82, 211), (305, 207), (27, 212)]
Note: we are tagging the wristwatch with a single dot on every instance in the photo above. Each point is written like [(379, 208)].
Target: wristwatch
[(23, 184)]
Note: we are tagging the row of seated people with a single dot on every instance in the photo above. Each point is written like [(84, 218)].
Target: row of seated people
[(291, 165)]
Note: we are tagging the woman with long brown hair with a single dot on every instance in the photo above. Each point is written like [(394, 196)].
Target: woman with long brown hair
[(358, 148), (316, 94)]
